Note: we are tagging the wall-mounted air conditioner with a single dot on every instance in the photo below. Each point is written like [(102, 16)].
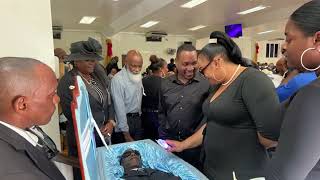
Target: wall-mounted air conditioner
[(155, 36)]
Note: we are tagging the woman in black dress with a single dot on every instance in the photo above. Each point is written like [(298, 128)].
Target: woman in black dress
[(298, 153), (241, 114), (150, 102)]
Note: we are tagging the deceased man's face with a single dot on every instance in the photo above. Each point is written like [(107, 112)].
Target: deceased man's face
[(131, 159)]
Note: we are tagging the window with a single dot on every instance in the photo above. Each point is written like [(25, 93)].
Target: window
[(272, 50), (276, 49)]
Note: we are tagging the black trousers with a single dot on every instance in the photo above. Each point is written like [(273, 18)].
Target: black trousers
[(73, 151), (150, 123), (135, 129), (76, 171)]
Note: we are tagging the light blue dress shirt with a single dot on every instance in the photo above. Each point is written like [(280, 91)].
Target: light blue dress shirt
[(127, 97)]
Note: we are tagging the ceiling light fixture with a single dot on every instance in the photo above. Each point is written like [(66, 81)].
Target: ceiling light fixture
[(196, 28), (265, 32), (87, 19), (255, 9), (192, 3), (149, 24)]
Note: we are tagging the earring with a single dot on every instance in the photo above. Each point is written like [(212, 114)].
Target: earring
[(219, 80), (301, 59)]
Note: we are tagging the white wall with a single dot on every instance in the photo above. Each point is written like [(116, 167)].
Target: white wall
[(123, 42), (26, 31), (262, 52), (246, 45), (71, 36), (200, 43)]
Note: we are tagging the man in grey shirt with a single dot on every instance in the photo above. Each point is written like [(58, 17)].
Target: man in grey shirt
[(127, 91)]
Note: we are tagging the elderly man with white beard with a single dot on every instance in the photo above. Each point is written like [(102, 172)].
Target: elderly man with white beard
[(127, 91)]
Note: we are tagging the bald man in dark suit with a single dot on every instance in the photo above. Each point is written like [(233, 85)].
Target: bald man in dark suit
[(27, 99)]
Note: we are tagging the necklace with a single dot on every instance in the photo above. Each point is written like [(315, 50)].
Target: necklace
[(88, 81), (235, 72)]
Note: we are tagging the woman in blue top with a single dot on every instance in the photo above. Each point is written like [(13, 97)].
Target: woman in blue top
[(285, 91), (298, 153)]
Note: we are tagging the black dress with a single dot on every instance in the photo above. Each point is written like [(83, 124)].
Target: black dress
[(152, 86), (298, 153), (249, 105), (150, 106)]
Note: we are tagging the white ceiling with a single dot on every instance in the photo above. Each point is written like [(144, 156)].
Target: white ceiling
[(128, 15)]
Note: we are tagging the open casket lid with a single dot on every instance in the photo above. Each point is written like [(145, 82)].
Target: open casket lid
[(84, 125)]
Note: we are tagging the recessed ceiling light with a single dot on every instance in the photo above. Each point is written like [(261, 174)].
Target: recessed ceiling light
[(149, 24), (265, 32), (115, 0), (255, 9), (196, 28), (87, 19), (192, 3)]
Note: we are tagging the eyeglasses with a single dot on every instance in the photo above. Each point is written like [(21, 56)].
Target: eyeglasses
[(128, 153), (203, 69)]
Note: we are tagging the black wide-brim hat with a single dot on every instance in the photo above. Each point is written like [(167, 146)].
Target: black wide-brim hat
[(85, 50)]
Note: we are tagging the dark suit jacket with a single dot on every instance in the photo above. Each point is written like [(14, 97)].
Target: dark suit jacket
[(99, 111), (149, 174), (20, 160)]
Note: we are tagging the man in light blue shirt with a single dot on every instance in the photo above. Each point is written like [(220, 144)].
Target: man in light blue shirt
[(127, 91)]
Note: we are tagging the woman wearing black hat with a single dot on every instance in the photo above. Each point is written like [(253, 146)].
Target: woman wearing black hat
[(241, 114), (84, 56)]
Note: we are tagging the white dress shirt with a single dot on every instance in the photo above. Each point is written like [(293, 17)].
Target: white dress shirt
[(31, 138)]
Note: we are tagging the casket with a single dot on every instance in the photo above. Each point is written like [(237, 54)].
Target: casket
[(103, 163)]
